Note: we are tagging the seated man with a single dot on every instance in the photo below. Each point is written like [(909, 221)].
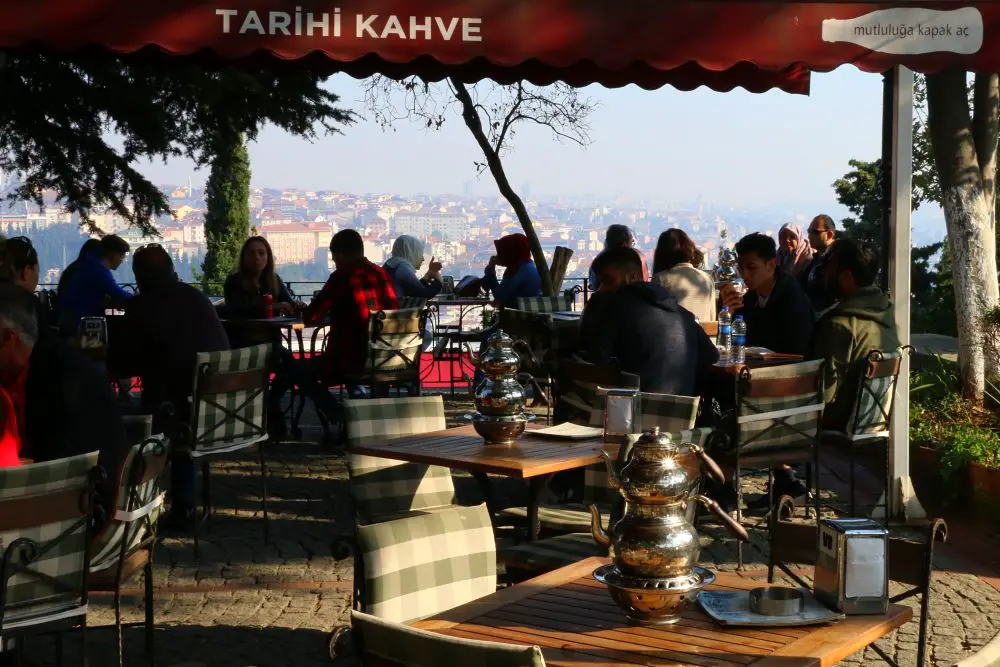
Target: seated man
[(63, 399), (87, 291), (166, 325), (643, 327), (777, 311), (861, 321), (356, 289)]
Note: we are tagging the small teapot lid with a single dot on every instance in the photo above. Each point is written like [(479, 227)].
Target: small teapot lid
[(499, 339), (652, 437)]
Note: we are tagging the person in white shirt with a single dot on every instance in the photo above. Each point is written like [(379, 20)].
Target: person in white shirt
[(675, 267)]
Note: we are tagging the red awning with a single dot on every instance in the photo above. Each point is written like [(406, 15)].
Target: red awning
[(686, 43)]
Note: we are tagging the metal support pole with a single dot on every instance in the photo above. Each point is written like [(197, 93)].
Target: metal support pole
[(903, 503)]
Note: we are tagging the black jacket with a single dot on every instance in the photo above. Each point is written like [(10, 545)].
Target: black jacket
[(785, 324), (642, 326), (815, 286), (70, 408)]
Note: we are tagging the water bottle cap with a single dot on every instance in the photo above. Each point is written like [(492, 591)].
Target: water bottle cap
[(725, 308), (739, 317)]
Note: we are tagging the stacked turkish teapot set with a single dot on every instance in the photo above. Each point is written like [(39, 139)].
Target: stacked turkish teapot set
[(654, 547)]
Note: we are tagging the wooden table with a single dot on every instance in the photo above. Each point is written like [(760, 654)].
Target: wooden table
[(532, 458), (574, 621), (723, 367)]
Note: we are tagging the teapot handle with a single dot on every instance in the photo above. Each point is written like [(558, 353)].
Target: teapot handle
[(734, 527), (713, 468)]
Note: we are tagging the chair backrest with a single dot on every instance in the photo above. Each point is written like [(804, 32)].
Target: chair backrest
[(671, 413), (424, 564), (577, 385), (872, 411), (531, 335), (383, 487), (45, 515), (395, 339), (543, 304), (395, 644), (230, 388), (138, 502), (780, 406), (408, 302)]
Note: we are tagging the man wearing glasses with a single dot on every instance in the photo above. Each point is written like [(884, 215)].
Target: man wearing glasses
[(822, 234)]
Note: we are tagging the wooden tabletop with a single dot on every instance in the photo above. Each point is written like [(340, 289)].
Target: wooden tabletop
[(725, 367), (463, 449), (460, 301), (574, 621), (293, 323)]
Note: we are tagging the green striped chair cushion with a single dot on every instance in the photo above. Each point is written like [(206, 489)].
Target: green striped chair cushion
[(407, 302), (552, 553), (780, 422), (382, 488), (578, 382), (395, 340), (137, 507), (671, 413), (543, 304), (424, 564), (396, 644), (226, 422), (51, 556), (870, 415), (377, 420)]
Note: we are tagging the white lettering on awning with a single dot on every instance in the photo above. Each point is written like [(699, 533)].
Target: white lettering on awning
[(367, 26)]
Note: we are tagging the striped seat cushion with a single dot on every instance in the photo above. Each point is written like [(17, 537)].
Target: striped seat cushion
[(543, 304), (51, 583), (397, 644), (552, 553), (425, 564), (671, 413), (569, 517), (776, 423), (870, 415), (377, 420)]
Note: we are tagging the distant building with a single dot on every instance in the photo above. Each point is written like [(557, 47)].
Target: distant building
[(296, 243), (448, 226)]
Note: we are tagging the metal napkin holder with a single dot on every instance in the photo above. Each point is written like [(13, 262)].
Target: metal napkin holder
[(852, 571), (622, 414)]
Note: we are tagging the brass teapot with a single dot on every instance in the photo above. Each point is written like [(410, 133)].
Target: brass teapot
[(655, 538)]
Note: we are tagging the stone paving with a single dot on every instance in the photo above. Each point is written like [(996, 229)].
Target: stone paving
[(245, 603)]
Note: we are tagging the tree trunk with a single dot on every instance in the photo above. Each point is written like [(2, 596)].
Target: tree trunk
[(495, 164), (965, 156)]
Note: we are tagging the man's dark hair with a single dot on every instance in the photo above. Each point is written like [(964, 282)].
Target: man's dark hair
[(112, 244), (758, 244), (625, 259), (152, 267), (857, 257), (825, 223), (617, 236), (348, 243), (17, 312), (90, 245)]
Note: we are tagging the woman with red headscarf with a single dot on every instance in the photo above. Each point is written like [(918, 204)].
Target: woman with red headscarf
[(520, 279)]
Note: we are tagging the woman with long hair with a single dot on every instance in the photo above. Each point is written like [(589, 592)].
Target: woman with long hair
[(794, 252), (255, 279), (617, 236), (675, 266)]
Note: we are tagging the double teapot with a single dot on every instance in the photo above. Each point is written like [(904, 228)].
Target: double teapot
[(655, 538)]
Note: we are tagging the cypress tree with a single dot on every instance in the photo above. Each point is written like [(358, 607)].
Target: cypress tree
[(227, 218)]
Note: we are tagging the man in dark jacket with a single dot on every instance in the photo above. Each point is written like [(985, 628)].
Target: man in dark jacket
[(64, 400), (862, 321), (641, 326), (777, 312), (822, 234), (166, 325)]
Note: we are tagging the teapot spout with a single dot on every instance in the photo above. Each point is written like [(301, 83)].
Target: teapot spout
[(596, 529), (609, 462)]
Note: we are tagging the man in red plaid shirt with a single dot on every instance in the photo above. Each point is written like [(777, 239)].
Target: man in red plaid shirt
[(354, 290)]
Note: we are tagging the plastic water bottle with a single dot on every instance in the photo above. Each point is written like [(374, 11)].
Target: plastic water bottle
[(724, 339), (739, 350)]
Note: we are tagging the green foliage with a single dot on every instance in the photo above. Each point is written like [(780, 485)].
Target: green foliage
[(227, 199), (78, 124)]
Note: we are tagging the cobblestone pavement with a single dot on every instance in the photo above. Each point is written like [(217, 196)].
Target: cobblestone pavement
[(244, 603)]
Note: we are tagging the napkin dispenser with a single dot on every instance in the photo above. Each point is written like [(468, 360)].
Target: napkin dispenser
[(622, 414), (852, 571)]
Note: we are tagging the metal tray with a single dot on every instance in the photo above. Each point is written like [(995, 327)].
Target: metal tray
[(732, 608)]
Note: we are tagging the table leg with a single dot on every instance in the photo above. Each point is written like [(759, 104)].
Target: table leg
[(535, 487), (484, 487)]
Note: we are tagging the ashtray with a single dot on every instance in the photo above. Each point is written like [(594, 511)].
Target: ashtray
[(776, 601)]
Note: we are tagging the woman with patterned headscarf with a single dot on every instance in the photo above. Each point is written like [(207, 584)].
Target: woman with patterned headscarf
[(794, 252)]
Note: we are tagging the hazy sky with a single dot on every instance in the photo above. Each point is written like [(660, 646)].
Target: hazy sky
[(734, 148)]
